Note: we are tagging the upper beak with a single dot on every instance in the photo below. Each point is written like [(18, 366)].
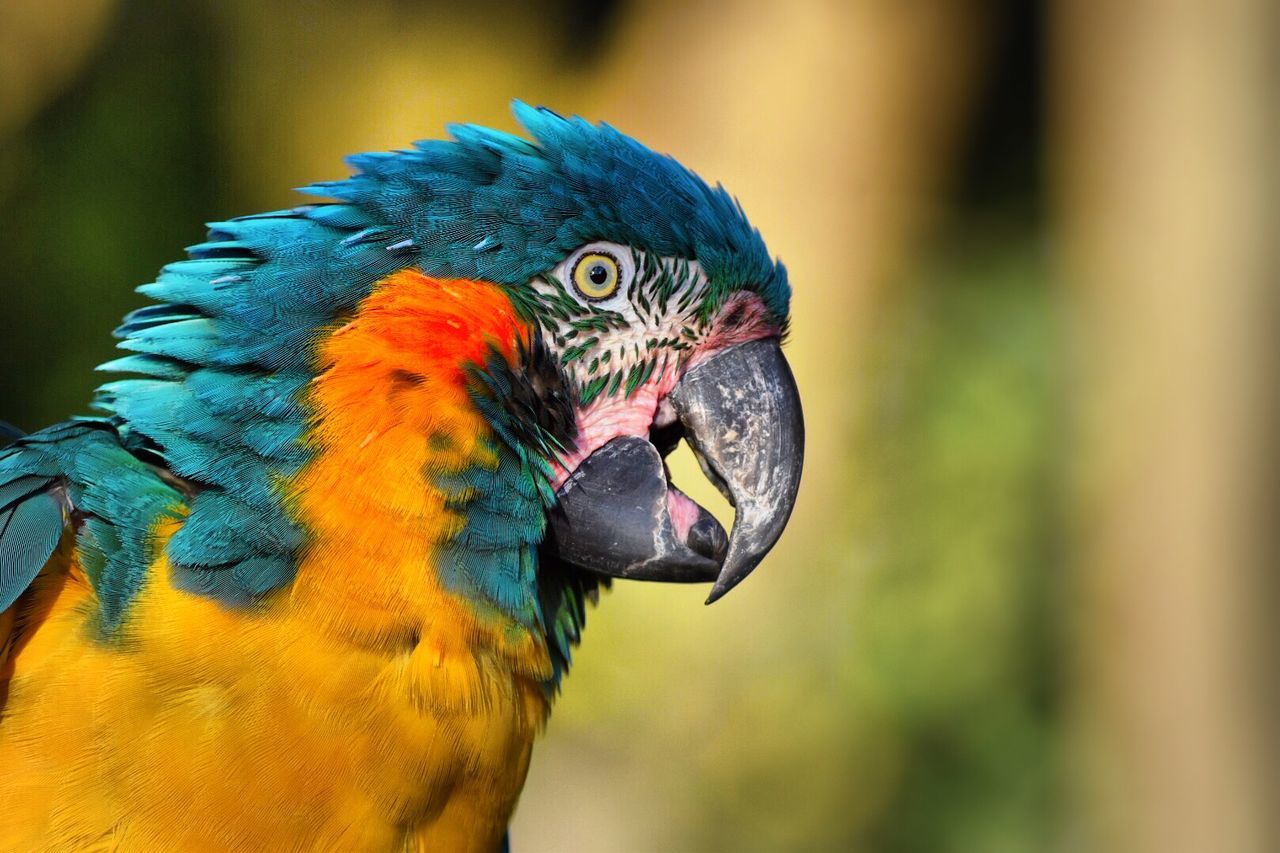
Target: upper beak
[(740, 412)]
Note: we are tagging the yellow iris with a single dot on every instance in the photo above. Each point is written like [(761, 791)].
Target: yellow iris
[(596, 275)]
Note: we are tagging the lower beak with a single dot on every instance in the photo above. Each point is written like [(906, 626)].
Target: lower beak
[(619, 515)]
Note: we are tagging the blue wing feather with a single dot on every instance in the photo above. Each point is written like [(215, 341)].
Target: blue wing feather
[(30, 527)]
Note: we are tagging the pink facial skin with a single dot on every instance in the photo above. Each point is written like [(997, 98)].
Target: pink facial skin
[(743, 318), (684, 512), (609, 417)]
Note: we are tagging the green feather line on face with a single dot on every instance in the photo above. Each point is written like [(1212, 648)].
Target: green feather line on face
[(609, 353), (215, 417)]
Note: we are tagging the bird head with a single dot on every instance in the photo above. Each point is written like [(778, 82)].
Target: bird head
[(659, 310)]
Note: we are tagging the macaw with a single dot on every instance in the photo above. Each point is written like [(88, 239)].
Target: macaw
[(310, 577)]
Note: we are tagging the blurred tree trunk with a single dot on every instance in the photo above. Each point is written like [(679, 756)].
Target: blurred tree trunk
[(1166, 185)]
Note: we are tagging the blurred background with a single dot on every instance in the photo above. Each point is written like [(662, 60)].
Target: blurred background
[(1026, 600)]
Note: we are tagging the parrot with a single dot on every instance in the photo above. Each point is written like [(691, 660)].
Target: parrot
[(309, 575)]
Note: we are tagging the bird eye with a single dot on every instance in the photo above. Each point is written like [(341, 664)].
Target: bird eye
[(596, 275)]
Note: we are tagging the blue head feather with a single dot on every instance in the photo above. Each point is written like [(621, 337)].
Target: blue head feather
[(493, 206)]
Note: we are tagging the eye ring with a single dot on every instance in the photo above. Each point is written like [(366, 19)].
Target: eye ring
[(596, 275)]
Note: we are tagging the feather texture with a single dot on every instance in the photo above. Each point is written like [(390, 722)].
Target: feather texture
[(30, 527)]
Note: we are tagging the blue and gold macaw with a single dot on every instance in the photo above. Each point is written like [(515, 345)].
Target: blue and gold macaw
[(311, 578)]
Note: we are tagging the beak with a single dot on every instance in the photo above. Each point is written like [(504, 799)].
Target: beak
[(740, 412), (615, 519)]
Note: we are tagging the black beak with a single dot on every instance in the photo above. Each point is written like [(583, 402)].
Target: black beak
[(740, 412)]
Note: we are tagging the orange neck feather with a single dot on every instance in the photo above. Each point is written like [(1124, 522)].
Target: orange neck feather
[(391, 412)]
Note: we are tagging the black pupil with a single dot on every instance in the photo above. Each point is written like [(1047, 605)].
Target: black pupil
[(598, 274)]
